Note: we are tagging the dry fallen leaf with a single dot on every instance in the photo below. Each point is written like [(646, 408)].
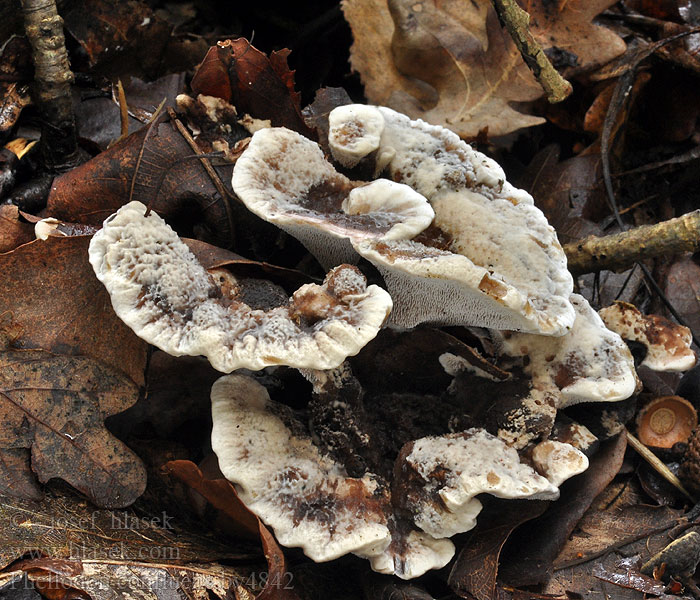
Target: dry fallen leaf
[(177, 188), (262, 87), (476, 567), (13, 232), (452, 64), (56, 303), (55, 406), (278, 583)]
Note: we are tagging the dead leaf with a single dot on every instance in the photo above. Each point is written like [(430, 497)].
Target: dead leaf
[(105, 579), (13, 232), (262, 87), (56, 406), (453, 65), (16, 474), (177, 188), (98, 118), (177, 392), (64, 526), (532, 551), (218, 492), (603, 528), (18, 588), (14, 98), (278, 583), (570, 193), (58, 305), (475, 570), (117, 45), (683, 290)]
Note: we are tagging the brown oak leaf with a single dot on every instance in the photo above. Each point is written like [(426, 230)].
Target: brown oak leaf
[(54, 302), (450, 63), (263, 87), (55, 406)]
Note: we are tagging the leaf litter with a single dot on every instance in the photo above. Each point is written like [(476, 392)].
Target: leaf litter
[(69, 364)]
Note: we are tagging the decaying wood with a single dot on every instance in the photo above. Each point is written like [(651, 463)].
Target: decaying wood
[(621, 250), (517, 21)]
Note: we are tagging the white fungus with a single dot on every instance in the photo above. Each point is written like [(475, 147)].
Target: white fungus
[(159, 289), (284, 178), (589, 364), (667, 344), (511, 273), (306, 497)]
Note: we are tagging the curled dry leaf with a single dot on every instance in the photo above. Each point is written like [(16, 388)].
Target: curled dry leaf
[(476, 567), (222, 496), (178, 188), (453, 65), (236, 71)]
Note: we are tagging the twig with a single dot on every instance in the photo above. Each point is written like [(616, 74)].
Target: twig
[(51, 90), (517, 22), (621, 95), (620, 251), (658, 466)]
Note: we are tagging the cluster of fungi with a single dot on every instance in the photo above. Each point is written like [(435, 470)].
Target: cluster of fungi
[(454, 244)]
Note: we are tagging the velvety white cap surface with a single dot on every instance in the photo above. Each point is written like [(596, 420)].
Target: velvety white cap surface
[(558, 461), (354, 132), (457, 467), (306, 497), (284, 178), (668, 344), (495, 226), (158, 288), (589, 364)]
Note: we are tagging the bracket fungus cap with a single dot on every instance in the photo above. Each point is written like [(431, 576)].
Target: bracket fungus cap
[(668, 344), (160, 290), (501, 237), (589, 364), (355, 131), (440, 477), (284, 178), (305, 496)]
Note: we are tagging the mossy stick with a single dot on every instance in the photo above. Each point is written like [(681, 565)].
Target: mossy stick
[(517, 22), (621, 250)]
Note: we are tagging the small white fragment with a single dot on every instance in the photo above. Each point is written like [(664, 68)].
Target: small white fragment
[(252, 125), (354, 132), (47, 228), (558, 461)]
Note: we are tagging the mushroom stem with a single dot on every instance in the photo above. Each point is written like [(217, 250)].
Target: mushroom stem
[(51, 91), (619, 251), (517, 22)]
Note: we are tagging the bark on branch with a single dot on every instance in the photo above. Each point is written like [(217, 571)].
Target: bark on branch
[(51, 90), (517, 22), (621, 250)]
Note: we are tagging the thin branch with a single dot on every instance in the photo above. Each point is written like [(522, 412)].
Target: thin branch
[(517, 22), (620, 251), (51, 89)]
